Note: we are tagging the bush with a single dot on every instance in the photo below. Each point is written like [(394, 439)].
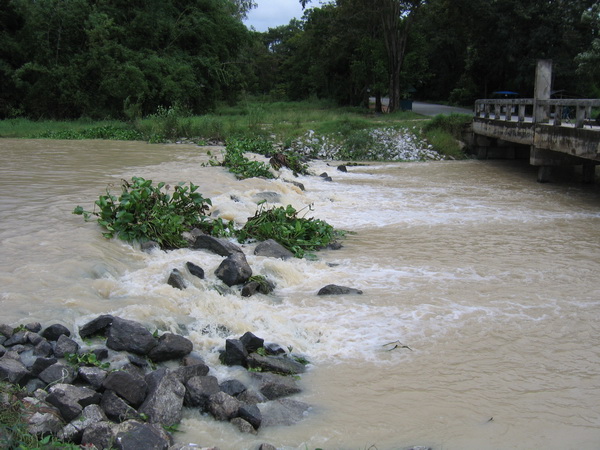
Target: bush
[(144, 212), (241, 166), (297, 234)]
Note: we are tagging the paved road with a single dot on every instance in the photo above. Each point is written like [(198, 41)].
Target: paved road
[(430, 109)]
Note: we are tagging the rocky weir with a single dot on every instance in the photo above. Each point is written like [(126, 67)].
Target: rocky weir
[(115, 384)]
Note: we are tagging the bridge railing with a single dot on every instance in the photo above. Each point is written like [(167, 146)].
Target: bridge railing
[(575, 112)]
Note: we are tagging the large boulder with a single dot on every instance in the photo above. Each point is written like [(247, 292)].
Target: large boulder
[(134, 435), (235, 353), (333, 289), (220, 246), (73, 431), (176, 280), (97, 326), (164, 401), (274, 386), (117, 409), (53, 332), (129, 336), (234, 270), (128, 386), (98, 435), (199, 389), (12, 370), (272, 249), (170, 346), (64, 346), (70, 400), (223, 406), (277, 364), (58, 373), (41, 418)]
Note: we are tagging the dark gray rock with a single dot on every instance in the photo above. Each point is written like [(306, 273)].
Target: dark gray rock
[(70, 400), (128, 386), (34, 327), (53, 332), (223, 406), (134, 435), (43, 349), (266, 447), (251, 397), (34, 384), (6, 330), (64, 346), (34, 338), (252, 287), (221, 247), (184, 373), (342, 168), (40, 364), (100, 353), (99, 435), (16, 339), (199, 389), (149, 246), (235, 354), (19, 348), (272, 249), (195, 270), (73, 431), (2, 350), (94, 376), (129, 336), (251, 414), (277, 364), (138, 361), (176, 280), (332, 289), (97, 326), (234, 270), (274, 386), (170, 346), (58, 373), (117, 409), (232, 387), (283, 411), (164, 401), (251, 342), (274, 349), (12, 370), (242, 425)]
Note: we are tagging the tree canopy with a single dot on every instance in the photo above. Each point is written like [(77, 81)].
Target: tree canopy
[(125, 59)]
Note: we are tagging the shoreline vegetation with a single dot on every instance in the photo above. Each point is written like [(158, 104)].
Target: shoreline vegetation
[(285, 124)]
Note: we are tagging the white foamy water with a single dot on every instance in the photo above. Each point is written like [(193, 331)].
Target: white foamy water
[(488, 278)]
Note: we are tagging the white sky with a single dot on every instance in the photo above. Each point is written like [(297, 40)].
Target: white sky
[(272, 13)]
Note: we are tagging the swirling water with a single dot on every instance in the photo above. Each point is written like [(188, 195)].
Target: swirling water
[(489, 278)]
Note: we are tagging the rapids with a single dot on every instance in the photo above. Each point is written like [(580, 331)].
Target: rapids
[(489, 278)]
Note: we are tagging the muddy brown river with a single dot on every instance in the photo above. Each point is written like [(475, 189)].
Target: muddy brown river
[(491, 280)]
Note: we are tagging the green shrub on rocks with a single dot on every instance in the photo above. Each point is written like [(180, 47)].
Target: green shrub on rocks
[(145, 212), (297, 234)]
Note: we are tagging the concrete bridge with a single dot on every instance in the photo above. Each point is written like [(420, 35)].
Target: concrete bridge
[(553, 132)]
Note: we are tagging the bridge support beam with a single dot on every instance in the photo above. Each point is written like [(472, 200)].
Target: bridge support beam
[(547, 159)]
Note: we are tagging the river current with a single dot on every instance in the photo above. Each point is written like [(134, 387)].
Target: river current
[(487, 280)]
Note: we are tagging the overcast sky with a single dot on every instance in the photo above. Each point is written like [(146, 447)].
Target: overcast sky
[(272, 13)]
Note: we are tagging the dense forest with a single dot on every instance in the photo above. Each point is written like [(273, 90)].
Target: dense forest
[(126, 59)]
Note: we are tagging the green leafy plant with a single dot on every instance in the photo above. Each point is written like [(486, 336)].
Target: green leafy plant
[(145, 212), (241, 166), (85, 359), (297, 234)]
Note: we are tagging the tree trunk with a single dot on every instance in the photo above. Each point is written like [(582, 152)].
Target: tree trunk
[(397, 17)]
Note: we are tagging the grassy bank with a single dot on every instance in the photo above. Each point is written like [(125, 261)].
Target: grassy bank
[(280, 122)]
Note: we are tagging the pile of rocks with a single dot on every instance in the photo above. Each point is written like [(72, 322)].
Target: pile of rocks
[(119, 393)]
